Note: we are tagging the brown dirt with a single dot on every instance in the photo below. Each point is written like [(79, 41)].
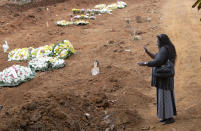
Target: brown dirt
[(119, 98)]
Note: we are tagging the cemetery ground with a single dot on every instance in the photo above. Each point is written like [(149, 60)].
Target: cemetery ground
[(120, 97)]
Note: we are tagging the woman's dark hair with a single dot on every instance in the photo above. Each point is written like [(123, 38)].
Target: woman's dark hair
[(164, 41)]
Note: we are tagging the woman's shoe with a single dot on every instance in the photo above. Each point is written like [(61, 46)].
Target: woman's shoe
[(169, 121), (162, 120)]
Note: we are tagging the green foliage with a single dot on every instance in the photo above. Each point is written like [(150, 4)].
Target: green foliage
[(198, 4)]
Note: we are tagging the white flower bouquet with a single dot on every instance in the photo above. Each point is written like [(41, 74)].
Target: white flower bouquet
[(64, 23), (105, 11), (15, 75), (121, 4), (99, 11), (112, 6), (56, 63), (42, 51), (46, 63), (63, 50), (87, 16), (19, 54), (118, 5), (39, 63), (77, 11), (100, 6), (81, 22), (28, 53)]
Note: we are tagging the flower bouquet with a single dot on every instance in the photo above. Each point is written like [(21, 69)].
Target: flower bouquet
[(56, 63), (112, 6), (77, 11), (121, 4), (100, 6), (46, 63), (81, 22), (19, 54), (87, 16), (16, 75), (63, 50), (64, 23), (41, 51), (28, 53)]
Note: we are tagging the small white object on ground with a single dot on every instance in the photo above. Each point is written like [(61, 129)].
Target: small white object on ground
[(149, 19), (5, 46), (128, 50), (87, 115), (137, 37), (95, 70)]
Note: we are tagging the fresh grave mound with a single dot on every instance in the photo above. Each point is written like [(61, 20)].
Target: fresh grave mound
[(90, 13), (15, 75), (43, 58), (66, 111)]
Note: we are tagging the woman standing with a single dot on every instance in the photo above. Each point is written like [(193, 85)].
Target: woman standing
[(166, 107)]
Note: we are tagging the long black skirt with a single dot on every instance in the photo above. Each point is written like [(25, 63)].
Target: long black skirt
[(166, 107)]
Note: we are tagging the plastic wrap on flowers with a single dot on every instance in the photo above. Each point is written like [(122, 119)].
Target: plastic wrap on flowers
[(15, 75), (19, 54), (64, 23), (46, 63), (63, 50)]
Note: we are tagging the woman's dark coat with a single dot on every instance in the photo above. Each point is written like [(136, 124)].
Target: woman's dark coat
[(164, 83), (160, 59)]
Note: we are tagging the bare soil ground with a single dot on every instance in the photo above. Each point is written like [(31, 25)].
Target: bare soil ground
[(120, 97)]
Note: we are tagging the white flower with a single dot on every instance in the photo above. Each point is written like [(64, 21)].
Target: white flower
[(100, 6), (81, 22), (15, 74), (19, 54), (64, 23), (28, 53), (44, 63)]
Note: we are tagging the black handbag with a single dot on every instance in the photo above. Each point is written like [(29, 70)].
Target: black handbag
[(165, 71)]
